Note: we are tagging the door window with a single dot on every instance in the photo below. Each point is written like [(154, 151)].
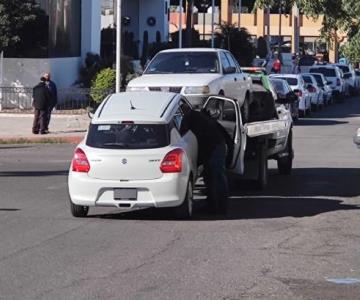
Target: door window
[(232, 61), (224, 61)]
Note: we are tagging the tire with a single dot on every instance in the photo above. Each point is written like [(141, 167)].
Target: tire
[(185, 210), (284, 163), (245, 111), (262, 179), (79, 211)]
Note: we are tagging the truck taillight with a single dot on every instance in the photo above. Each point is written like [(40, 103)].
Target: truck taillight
[(172, 162), (80, 162)]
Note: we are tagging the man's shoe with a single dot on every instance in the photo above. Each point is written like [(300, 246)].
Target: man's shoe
[(35, 132), (44, 132)]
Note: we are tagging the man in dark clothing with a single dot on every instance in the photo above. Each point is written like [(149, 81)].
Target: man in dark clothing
[(41, 99), (212, 147), (53, 94)]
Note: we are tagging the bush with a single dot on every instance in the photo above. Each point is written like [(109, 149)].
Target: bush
[(93, 65), (103, 84)]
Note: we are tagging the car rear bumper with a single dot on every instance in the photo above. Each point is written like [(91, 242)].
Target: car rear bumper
[(167, 191)]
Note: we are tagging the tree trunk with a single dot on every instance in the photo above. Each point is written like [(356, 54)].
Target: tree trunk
[(189, 18)]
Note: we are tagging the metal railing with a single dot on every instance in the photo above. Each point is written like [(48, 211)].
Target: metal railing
[(19, 99)]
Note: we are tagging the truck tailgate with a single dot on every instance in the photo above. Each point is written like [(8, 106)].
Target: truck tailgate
[(265, 127)]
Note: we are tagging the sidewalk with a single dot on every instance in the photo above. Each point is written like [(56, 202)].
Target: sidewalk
[(16, 128)]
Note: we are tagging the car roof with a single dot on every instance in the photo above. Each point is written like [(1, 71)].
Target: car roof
[(193, 50), (285, 75), (139, 107), (323, 66)]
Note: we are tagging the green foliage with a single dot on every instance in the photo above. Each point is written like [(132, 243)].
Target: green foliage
[(238, 42), (103, 84), (351, 50), (92, 66), (22, 25)]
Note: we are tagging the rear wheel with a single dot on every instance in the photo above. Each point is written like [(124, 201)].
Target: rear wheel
[(284, 162), (185, 210), (79, 211), (262, 179)]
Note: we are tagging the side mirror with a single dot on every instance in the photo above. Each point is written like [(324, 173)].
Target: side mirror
[(229, 70)]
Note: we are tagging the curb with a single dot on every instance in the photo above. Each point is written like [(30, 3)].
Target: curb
[(42, 140), (53, 115)]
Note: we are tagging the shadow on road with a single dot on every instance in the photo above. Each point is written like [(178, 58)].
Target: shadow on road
[(305, 193), (33, 173), (318, 122)]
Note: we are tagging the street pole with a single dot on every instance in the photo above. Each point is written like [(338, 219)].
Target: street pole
[(239, 13), (180, 23), (280, 13), (118, 46), (212, 23)]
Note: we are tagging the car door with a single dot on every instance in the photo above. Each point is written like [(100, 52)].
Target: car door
[(229, 80), (227, 112), (240, 84)]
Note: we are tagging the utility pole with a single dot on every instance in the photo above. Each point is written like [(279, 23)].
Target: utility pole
[(118, 46), (212, 23), (280, 14), (239, 13), (180, 23)]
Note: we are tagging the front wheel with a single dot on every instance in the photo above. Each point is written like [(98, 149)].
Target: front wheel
[(285, 160), (79, 211), (185, 210)]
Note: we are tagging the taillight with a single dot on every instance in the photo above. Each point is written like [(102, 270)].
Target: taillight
[(299, 93), (172, 162), (80, 162), (338, 82), (311, 89)]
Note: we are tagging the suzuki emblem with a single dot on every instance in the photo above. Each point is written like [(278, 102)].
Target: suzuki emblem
[(124, 161)]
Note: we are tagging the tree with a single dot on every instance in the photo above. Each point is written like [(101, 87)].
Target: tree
[(23, 25), (237, 41), (262, 48)]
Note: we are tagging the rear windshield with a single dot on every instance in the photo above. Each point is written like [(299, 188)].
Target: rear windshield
[(345, 69), (184, 62), (318, 80), (279, 87), (290, 80), (307, 79), (127, 136), (325, 71)]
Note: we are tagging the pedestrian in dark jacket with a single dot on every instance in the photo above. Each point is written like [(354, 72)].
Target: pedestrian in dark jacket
[(213, 146), (41, 100), (53, 95)]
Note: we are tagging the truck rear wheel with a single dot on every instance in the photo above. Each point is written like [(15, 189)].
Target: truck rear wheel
[(284, 162), (262, 179)]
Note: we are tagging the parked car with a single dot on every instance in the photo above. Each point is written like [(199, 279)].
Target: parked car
[(283, 91), (316, 93), (196, 73), (349, 78), (298, 85), (134, 157), (333, 76), (322, 83)]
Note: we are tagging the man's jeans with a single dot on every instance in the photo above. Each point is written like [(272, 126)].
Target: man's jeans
[(215, 178), (40, 120)]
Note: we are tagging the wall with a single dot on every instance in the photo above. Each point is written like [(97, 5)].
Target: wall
[(26, 72), (91, 26)]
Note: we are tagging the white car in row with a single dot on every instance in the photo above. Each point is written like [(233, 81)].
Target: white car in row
[(315, 91), (133, 156), (334, 77), (196, 73), (298, 85)]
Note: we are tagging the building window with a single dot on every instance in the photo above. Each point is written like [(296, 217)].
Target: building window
[(64, 27), (247, 6)]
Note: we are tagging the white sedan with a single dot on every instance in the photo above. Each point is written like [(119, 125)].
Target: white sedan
[(134, 157), (196, 73)]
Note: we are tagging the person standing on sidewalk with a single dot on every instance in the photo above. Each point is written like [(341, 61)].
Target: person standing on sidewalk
[(53, 101), (41, 101)]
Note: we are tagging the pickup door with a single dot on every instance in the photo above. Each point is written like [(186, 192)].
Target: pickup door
[(226, 111)]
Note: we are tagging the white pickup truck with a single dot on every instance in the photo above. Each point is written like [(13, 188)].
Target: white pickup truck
[(256, 142)]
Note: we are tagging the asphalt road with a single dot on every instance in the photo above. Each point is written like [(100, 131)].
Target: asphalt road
[(299, 239)]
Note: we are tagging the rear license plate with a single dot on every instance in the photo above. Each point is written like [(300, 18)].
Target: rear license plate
[(125, 194)]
